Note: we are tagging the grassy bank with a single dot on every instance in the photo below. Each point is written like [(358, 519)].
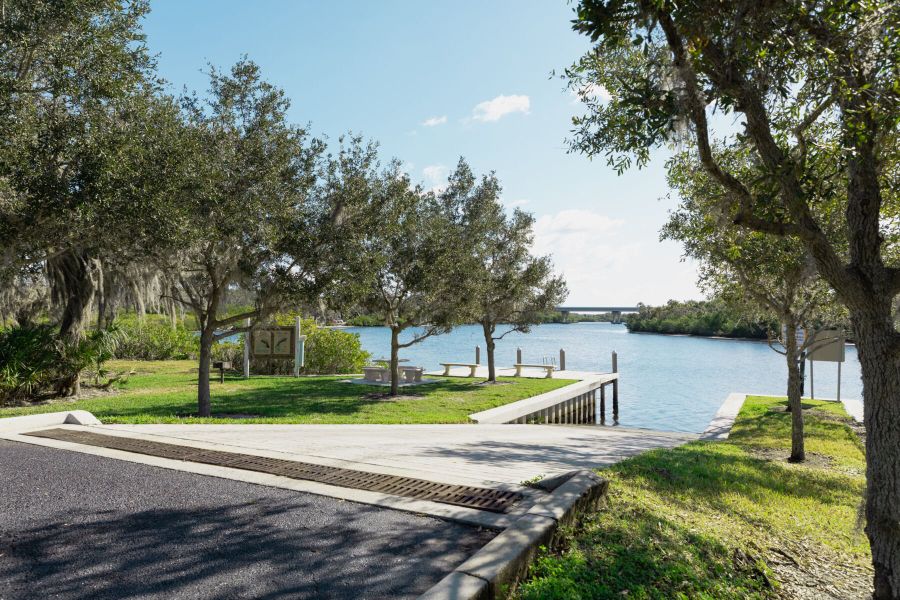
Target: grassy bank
[(732, 519), (166, 392)]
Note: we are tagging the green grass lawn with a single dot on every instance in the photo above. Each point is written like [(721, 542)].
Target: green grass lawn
[(731, 519), (166, 392)]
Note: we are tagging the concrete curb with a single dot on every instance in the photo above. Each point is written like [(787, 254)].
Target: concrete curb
[(503, 561), (720, 426), (29, 422)]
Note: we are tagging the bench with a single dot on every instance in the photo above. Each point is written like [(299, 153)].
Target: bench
[(471, 366), (377, 374), (411, 374), (222, 366), (548, 368)]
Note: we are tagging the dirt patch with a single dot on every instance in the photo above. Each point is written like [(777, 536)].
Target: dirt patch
[(780, 455), (222, 416), (809, 572), (386, 397), (496, 383)]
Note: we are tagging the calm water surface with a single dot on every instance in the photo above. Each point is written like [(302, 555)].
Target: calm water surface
[(673, 383)]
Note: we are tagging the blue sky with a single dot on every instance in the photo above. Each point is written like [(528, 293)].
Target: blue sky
[(433, 81)]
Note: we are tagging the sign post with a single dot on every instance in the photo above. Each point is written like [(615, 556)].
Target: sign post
[(247, 352), (827, 346), (299, 349)]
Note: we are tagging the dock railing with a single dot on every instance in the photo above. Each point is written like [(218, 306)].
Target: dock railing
[(573, 404)]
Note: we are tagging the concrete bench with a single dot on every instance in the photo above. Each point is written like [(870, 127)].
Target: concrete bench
[(548, 368), (471, 366), (411, 374), (377, 374)]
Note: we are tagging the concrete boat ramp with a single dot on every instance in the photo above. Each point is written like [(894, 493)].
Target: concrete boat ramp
[(494, 457)]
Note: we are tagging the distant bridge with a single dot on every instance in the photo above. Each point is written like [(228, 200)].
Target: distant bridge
[(615, 310)]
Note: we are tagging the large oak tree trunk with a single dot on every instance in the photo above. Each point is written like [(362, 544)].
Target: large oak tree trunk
[(795, 393), (395, 360), (875, 342), (73, 276), (74, 280), (203, 397)]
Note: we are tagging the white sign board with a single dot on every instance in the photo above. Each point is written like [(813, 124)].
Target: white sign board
[(827, 346)]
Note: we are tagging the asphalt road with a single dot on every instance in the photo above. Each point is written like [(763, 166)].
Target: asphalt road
[(76, 526)]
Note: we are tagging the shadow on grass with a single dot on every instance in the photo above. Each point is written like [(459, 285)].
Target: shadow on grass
[(637, 553), (276, 397)]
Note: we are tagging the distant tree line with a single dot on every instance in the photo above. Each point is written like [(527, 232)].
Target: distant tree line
[(699, 317)]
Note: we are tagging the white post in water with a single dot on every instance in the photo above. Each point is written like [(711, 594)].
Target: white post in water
[(297, 347), (615, 362), (518, 356), (477, 355), (562, 359), (247, 351)]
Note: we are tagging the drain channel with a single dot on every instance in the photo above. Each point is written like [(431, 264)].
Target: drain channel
[(498, 501)]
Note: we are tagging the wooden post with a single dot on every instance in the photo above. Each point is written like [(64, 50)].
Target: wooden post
[(297, 347), (562, 359), (603, 404), (247, 351), (477, 355), (518, 356), (615, 384), (616, 401)]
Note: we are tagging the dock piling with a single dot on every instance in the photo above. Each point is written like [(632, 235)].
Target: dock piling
[(603, 404)]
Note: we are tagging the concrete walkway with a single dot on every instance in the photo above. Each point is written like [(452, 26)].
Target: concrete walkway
[(484, 455)]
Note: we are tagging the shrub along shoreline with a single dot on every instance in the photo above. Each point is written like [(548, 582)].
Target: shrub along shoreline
[(727, 519)]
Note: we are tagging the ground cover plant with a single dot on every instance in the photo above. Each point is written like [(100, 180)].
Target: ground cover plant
[(728, 519), (165, 392)]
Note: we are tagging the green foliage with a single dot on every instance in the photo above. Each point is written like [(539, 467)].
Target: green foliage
[(232, 352), (35, 362), (697, 317), (715, 520), (334, 351), (155, 339), (366, 321), (509, 284)]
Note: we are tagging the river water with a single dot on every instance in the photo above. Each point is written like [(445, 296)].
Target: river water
[(671, 383)]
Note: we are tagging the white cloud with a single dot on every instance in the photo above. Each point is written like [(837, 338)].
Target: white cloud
[(592, 92), (604, 265), (435, 177), (499, 107), (434, 121)]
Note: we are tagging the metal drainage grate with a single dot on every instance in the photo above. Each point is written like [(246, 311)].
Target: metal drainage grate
[(460, 495)]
